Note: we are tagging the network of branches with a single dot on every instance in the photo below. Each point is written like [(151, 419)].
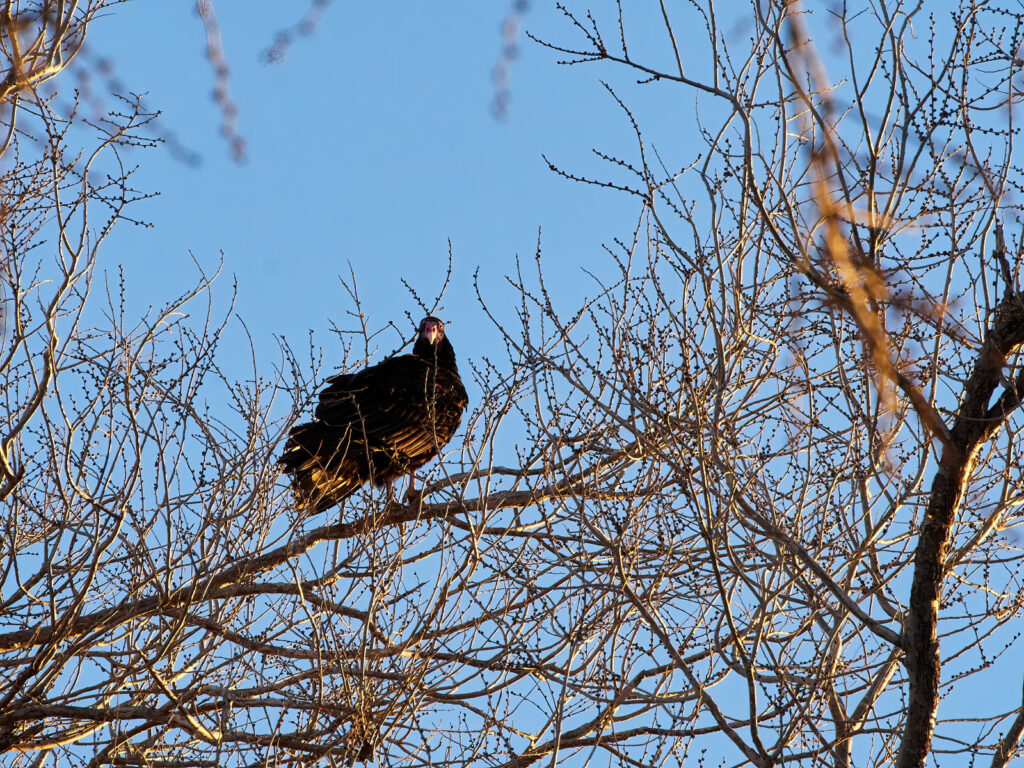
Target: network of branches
[(753, 502)]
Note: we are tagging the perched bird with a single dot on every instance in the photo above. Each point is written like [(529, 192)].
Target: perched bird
[(376, 425)]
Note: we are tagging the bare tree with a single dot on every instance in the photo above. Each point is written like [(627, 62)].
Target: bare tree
[(752, 502)]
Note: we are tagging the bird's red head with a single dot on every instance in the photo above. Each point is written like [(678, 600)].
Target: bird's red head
[(431, 331)]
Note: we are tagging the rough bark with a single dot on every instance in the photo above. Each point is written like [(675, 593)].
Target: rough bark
[(974, 425)]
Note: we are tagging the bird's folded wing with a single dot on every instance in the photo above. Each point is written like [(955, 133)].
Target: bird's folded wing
[(387, 404)]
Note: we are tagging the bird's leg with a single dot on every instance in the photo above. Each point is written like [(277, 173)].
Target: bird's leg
[(411, 494)]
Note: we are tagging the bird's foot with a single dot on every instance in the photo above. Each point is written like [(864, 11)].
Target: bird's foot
[(413, 495)]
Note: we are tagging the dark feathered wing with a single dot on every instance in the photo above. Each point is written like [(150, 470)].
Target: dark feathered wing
[(377, 424)]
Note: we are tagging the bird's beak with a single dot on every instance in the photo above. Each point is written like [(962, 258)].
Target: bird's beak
[(432, 333)]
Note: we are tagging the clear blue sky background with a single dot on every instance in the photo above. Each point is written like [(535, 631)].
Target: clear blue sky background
[(373, 142)]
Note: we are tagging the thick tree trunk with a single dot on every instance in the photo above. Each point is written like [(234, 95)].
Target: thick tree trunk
[(975, 425)]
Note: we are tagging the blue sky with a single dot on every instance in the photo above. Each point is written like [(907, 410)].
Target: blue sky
[(374, 143), (371, 146)]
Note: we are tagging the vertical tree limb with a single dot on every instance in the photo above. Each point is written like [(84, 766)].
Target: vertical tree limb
[(974, 426), (1007, 744)]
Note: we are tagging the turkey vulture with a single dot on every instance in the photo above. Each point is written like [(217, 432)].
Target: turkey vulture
[(385, 421)]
